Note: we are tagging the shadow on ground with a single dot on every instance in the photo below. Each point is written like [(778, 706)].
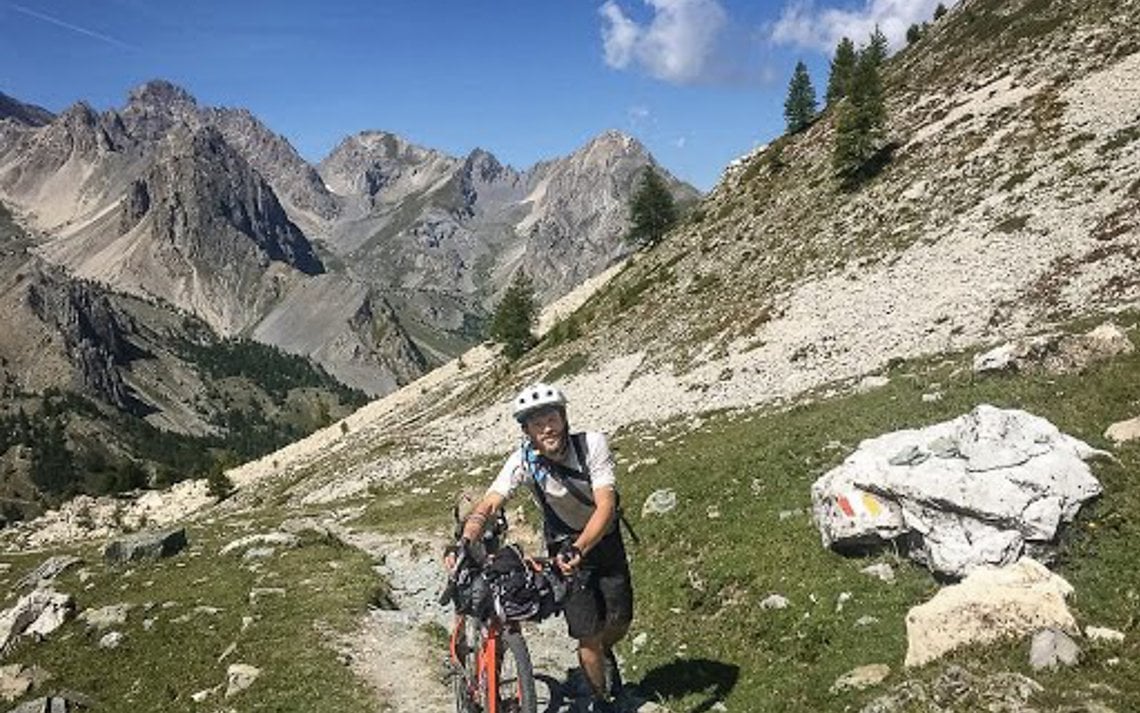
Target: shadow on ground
[(711, 681)]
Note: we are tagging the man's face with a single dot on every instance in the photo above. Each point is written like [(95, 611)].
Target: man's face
[(546, 428)]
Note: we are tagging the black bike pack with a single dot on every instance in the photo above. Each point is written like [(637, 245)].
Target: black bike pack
[(556, 529)]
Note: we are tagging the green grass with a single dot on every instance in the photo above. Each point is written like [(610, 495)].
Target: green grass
[(159, 669), (751, 469)]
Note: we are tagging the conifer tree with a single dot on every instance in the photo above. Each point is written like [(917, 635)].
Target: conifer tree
[(652, 210), (800, 106), (939, 11), (512, 323), (842, 65), (876, 49), (861, 124)]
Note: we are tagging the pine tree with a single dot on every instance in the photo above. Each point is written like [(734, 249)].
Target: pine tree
[(861, 125), (652, 210), (800, 106), (842, 65), (939, 11), (512, 323), (876, 49), (914, 33)]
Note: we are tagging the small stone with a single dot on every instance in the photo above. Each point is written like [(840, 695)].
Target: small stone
[(912, 455), (640, 641), (720, 707), (229, 650), (659, 502), (259, 592), (866, 620), (932, 397), (1103, 633), (842, 599), (862, 677), (870, 383), (1052, 648), (240, 676), (148, 624), (713, 512), (775, 601), (202, 695), (245, 622), (881, 571), (943, 447), (111, 640), (105, 617), (258, 553)]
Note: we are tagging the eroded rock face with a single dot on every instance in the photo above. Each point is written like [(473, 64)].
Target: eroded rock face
[(977, 490), (991, 604)]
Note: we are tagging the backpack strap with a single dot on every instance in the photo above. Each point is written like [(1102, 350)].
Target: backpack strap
[(566, 475)]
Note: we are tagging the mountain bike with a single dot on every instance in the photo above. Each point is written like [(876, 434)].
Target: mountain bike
[(490, 661)]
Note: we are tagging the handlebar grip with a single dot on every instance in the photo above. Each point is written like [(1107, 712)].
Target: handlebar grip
[(448, 593)]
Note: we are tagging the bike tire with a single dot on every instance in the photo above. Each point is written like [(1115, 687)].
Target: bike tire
[(516, 692), (463, 677)]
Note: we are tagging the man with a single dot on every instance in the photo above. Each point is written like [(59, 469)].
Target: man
[(571, 477)]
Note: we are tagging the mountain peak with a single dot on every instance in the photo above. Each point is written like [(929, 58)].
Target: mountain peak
[(160, 93)]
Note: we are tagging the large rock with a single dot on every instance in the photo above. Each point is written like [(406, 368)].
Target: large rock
[(1124, 431), (39, 612), (144, 546), (991, 604), (972, 491), (48, 569), (1056, 353)]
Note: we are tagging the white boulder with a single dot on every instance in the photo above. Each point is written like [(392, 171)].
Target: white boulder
[(972, 491), (39, 612)]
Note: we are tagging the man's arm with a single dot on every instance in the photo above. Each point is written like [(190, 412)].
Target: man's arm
[(605, 504), (474, 524)]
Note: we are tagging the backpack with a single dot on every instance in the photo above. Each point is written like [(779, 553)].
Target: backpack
[(556, 530)]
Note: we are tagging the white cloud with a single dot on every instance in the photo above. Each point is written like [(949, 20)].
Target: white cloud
[(677, 45), (680, 142), (804, 24)]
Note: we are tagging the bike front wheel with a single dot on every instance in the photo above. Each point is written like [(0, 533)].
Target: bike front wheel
[(515, 678)]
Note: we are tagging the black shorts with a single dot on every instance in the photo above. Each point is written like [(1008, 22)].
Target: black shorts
[(602, 595)]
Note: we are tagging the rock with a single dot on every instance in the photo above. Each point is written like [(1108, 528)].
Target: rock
[(275, 539), (240, 676), (1001, 480), (258, 592), (882, 571), (659, 502), (866, 620), (989, 604), (49, 569), (841, 601), (105, 617), (258, 553), (640, 641), (202, 695), (1003, 358), (870, 383), (111, 640), (1052, 648), (17, 679), (1055, 353), (41, 611), (932, 397), (774, 601), (62, 703), (862, 677), (1124, 431), (145, 546), (1103, 633)]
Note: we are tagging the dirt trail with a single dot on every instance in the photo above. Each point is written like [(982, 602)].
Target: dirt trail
[(395, 653)]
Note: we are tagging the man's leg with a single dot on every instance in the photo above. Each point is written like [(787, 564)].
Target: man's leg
[(592, 657)]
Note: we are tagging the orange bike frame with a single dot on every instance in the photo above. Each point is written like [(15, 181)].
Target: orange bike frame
[(486, 672)]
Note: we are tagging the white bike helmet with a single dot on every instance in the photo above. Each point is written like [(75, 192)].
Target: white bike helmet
[(534, 397)]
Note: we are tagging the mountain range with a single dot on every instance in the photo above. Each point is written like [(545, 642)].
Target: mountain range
[(167, 217)]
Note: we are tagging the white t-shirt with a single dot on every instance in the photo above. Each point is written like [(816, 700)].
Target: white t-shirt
[(567, 507)]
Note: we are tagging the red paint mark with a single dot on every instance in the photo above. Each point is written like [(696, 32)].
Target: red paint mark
[(845, 506)]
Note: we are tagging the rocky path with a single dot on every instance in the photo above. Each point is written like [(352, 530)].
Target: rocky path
[(396, 653)]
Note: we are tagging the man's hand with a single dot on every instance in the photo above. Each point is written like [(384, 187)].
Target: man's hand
[(569, 560)]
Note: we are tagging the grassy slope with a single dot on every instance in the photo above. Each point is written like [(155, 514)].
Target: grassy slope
[(716, 643), (159, 670)]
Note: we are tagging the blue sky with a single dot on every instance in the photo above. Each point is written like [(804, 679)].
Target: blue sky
[(700, 82)]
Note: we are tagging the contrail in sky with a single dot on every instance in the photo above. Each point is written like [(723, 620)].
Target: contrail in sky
[(68, 26)]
